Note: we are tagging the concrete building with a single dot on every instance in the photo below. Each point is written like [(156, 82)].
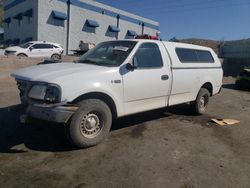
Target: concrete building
[(67, 22)]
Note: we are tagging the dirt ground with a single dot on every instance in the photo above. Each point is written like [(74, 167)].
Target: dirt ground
[(162, 148)]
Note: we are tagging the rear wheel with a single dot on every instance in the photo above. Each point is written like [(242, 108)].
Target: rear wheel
[(199, 106), (56, 57), (90, 124)]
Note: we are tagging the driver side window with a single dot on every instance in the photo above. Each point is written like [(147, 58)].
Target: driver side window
[(148, 56)]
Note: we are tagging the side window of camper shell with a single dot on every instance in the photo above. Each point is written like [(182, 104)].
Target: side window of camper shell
[(187, 55)]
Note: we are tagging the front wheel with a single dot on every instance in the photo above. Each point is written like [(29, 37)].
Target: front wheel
[(199, 106), (90, 124)]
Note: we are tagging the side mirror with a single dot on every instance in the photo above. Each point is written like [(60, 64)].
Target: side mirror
[(30, 48), (132, 66)]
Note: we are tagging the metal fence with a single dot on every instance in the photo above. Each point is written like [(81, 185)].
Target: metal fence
[(237, 49)]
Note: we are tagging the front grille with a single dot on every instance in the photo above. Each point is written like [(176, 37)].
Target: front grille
[(23, 87)]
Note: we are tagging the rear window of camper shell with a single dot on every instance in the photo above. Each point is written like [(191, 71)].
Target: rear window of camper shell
[(187, 55)]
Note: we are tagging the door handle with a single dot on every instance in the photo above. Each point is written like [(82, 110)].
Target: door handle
[(164, 77)]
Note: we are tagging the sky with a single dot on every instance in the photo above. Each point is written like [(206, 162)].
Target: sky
[(205, 19)]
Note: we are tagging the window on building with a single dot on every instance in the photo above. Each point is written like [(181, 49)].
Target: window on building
[(29, 20), (7, 21), (29, 15), (59, 15), (186, 55), (148, 56), (19, 18), (92, 23)]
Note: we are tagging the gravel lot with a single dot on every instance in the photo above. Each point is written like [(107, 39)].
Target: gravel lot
[(162, 148)]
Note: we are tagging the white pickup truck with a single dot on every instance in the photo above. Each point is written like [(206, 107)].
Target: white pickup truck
[(119, 78)]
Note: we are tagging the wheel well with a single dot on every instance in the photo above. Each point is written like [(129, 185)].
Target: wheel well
[(56, 54), (209, 87), (101, 96), (22, 54)]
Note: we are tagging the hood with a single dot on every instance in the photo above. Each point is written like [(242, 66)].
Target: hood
[(50, 72), (14, 48)]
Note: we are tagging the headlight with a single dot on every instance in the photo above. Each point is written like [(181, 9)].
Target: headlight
[(48, 93), (38, 92)]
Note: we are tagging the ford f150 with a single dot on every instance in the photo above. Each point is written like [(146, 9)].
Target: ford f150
[(119, 78)]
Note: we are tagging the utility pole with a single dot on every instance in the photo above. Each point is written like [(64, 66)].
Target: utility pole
[(68, 27), (118, 25), (142, 28)]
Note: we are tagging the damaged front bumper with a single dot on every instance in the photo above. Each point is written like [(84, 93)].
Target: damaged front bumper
[(58, 113)]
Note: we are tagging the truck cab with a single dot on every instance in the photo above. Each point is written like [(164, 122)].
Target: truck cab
[(119, 78)]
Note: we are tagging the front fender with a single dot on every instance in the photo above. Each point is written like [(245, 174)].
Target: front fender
[(116, 95)]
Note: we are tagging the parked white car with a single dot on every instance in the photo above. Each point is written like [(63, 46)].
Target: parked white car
[(36, 49), (119, 78)]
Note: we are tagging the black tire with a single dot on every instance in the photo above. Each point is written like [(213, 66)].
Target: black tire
[(199, 106), (56, 57), (90, 124), (22, 55)]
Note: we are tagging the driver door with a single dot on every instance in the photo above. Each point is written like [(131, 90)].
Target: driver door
[(147, 86)]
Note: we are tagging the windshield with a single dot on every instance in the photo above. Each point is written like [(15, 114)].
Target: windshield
[(26, 45), (108, 53)]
